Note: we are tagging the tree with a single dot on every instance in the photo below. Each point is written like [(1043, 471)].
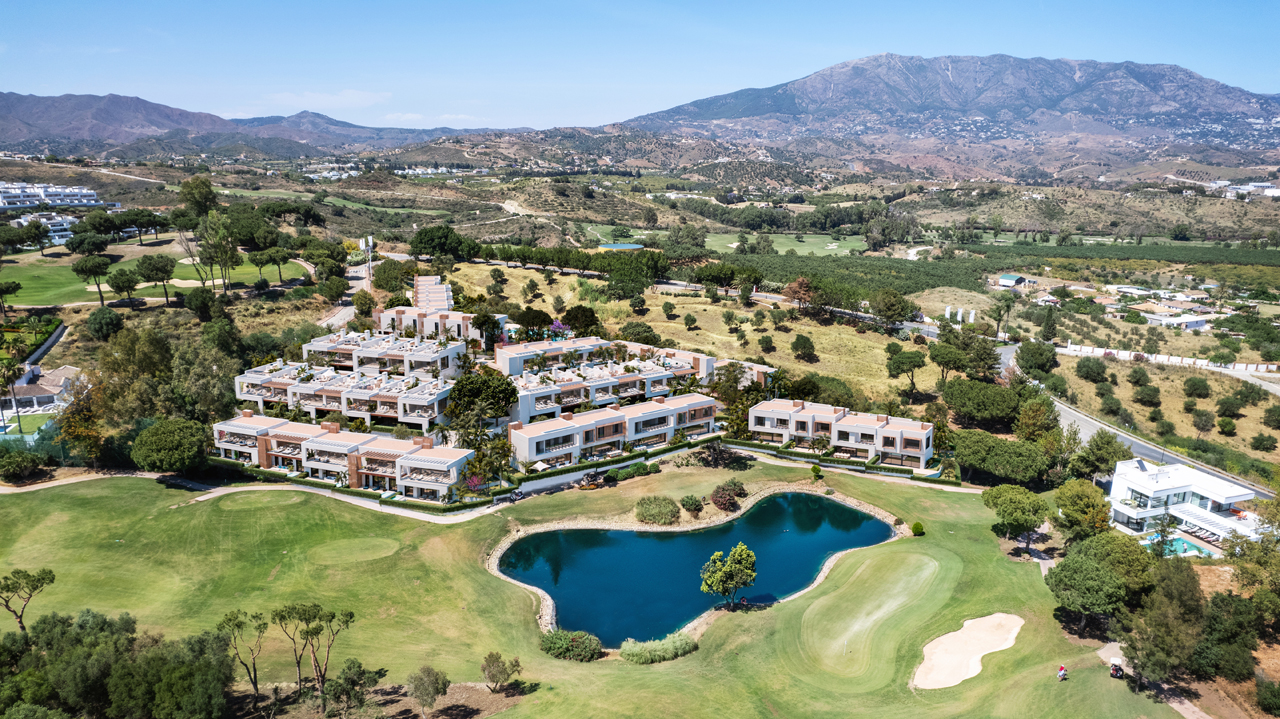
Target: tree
[(690, 321), (581, 318), (425, 686), (649, 216), (1099, 456), (1091, 369), (498, 672), (1049, 328), (1002, 308), (198, 195), (1138, 377), (906, 363), (1123, 555), (87, 243), (103, 323), (1083, 510), (279, 256), (668, 309), (200, 301), (637, 304), (1202, 421), (19, 587), (726, 577), (495, 391), (334, 288), (291, 621), (1166, 632), (7, 289), (891, 307), (123, 282), (78, 426), (948, 359), (1227, 426), (802, 347), (364, 303), (1262, 443), (1082, 585), (1036, 356), (766, 343), (1229, 406), (158, 269), (1197, 387), (1037, 418), (172, 445), (1019, 510), (93, 268), (350, 689), (204, 382), (246, 648), (981, 402)]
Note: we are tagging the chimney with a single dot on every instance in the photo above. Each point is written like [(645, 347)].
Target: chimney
[(615, 407), (660, 400), (428, 443), (515, 426), (330, 427), (566, 415), (797, 403), (246, 413), (417, 441)]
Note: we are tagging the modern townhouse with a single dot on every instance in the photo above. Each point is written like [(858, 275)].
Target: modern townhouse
[(599, 433), (1202, 504), (21, 195), (373, 353), (854, 435)]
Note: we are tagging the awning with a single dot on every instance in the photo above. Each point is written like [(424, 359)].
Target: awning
[(1215, 523), (386, 397), (540, 465), (289, 438), (329, 392), (278, 384), (388, 456)]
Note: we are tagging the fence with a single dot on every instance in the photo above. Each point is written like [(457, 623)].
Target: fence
[(1086, 351)]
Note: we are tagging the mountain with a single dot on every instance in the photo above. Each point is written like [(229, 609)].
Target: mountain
[(911, 94), (120, 120)]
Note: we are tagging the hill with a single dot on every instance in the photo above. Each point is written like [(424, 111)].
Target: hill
[(971, 97)]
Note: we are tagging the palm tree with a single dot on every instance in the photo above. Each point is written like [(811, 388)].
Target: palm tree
[(17, 348), (34, 325), (10, 373)]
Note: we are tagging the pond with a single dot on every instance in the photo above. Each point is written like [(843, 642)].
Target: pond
[(621, 584)]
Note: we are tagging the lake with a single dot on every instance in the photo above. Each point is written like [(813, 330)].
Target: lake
[(620, 584)]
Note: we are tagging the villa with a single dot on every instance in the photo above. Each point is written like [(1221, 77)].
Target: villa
[(854, 435), (414, 467), (1203, 504)]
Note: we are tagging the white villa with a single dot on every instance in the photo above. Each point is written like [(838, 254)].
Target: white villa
[(1203, 504)]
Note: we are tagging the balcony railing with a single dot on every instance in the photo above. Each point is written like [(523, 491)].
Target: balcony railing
[(239, 440), (570, 401), (548, 448), (288, 450), (325, 458), (651, 427), (545, 403), (628, 391)]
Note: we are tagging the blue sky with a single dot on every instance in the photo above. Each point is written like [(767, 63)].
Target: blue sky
[(544, 64)]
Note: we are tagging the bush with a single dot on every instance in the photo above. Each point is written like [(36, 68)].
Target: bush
[(104, 322), (655, 509), (262, 285), (1268, 696), (1091, 369), (1111, 405), (674, 645), (1196, 387), (1252, 394), (1189, 406), (574, 646), (736, 487), (1138, 377), (1104, 389), (654, 468), (613, 475), (1227, 426), (691, 504), (1271, 417), (1262, 443), (1148, 395), (18, 464), (1229, 407), (723, 499), (1057, 384), (917, 529), (1164, 428)]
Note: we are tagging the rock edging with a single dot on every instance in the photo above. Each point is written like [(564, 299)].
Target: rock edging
[(546, 615)]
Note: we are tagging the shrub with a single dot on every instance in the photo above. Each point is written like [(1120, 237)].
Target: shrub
[(1104, 389), (917, 529), (574, 646), (262, 285), (1227, 426), (1111, 405), (1262, 443), (1196, 387), (1268, 696), (1189, 406), (723, 499), (691, 504), (654, 468), (613, 475), (674, 645), (1229, 407), (1148, 395), (1057, 384), (104, 322), (1138, 377), (733, 485), (1164, 428), (1155, 415), (1091, 369), (1271, 417), (655, 509)]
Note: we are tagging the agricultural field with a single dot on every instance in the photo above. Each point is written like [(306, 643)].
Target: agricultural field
[(1117, 334), (420, 595)]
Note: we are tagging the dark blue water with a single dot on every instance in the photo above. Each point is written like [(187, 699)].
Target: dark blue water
[(645, 585)]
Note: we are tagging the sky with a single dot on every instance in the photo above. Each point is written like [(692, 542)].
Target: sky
[(547, 64)]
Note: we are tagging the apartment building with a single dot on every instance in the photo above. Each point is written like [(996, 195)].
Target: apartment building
[(854, 435), (59, 225), (1204, 505), (415, 467), (22, 195), (599, 433), (432, 313), (370, 354)]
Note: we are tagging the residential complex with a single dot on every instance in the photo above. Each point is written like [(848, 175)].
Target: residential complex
[(59, 225), (415, 467), (22, 196), (854, 435), (1204, 505)]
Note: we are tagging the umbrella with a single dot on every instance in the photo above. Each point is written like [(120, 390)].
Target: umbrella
[(540, 465)]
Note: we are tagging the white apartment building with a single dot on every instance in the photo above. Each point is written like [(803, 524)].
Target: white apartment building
[(1203, 504), (600, 433), (59, 225), (854, 435), (21, 196), (414, 468), (371, 354)]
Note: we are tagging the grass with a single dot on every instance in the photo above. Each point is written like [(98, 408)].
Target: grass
[(421, 596), (29, 423)]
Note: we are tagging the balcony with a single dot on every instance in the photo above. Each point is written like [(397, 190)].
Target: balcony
[(239, 440), (387, 410), (287, 450), (645, 427), (545, 403), (428, 475), (549, 448), (328, 458), (421, 413), (571, 401), (629, 391), (384, 468)]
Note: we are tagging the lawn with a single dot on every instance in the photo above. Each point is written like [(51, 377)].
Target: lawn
[(421, 596), (28, 423)]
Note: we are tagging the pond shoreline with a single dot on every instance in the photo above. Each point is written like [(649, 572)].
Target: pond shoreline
[(546, 615)]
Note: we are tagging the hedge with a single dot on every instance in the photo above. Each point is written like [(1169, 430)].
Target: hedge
[(938, 480), (433, 509), (633, 457), (366, 494), (312, 483)]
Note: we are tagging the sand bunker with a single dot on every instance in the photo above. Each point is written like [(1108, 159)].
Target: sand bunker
[(955, 657)]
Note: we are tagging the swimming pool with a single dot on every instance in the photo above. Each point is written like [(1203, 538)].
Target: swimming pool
[(1180, 546)]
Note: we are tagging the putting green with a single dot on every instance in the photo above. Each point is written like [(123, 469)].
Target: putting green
[(346, 551), (258, 500)]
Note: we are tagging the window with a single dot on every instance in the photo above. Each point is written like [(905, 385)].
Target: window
[(802, 426), (912, 444), (782, 423), (759, 421), (842, 436), (589, 436), (444, 362), (889, 442), (867, 438), (681, 418), (928, 441), (822, 427)]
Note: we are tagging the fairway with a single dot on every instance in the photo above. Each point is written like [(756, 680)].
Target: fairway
[(421, 595)]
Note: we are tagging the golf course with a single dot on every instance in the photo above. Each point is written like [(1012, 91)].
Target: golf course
[(421, 595)]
